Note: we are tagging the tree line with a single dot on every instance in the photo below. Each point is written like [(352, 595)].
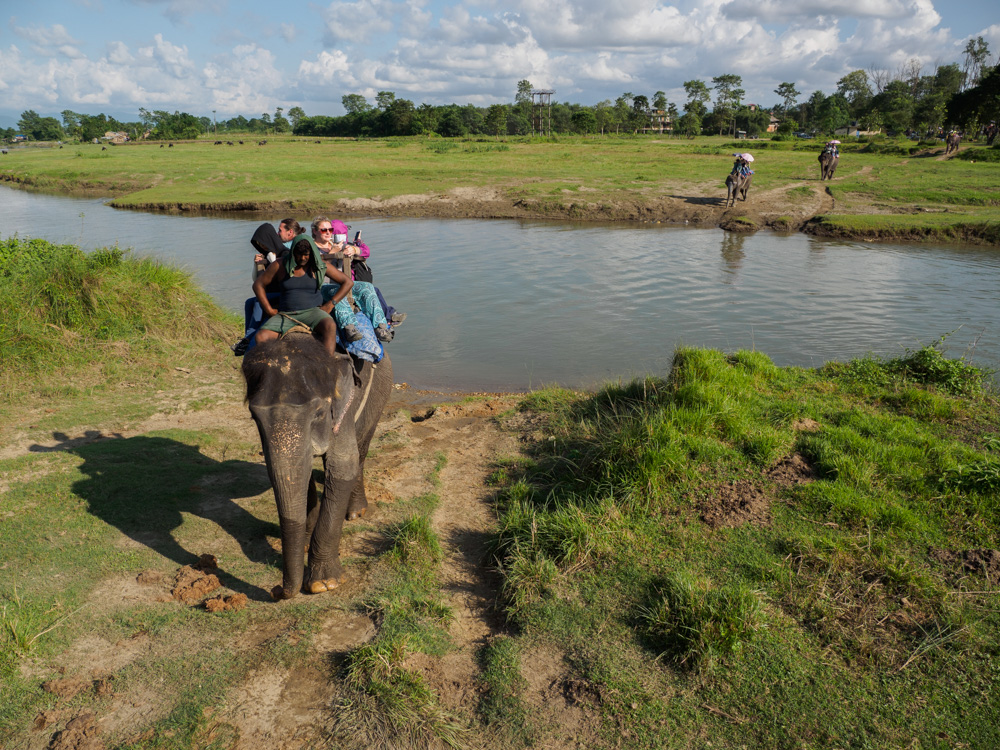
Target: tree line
[(963, 95)]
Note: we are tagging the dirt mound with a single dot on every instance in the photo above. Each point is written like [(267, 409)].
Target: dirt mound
[(81, 733), (985, 562), (233, 603), (195, 581), (738, 502), (792, 470)]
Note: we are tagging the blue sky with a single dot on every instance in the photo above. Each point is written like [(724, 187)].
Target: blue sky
[(196, 56)]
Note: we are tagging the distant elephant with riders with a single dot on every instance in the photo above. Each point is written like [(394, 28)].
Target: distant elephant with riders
[(951, 143), (828, 161), (737, 185)]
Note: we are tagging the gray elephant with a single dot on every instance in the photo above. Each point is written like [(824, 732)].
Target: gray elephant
[(951, 143), (308, 403), (828, 161), (737, 185)]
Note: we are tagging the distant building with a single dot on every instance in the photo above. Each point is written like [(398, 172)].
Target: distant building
[(659, 122), (116, 137)]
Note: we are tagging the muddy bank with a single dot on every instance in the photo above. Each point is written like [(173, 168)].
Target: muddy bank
[(782, 209)]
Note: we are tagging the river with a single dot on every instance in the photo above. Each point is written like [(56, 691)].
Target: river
[(511, 305)]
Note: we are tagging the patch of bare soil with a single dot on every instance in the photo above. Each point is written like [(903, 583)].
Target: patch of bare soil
[(983, 562), (749, 500), (735, 503)]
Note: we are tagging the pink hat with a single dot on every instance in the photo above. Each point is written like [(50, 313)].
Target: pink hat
[(339, 227)]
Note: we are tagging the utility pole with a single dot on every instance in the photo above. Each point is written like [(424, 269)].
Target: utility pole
[(215, 125)]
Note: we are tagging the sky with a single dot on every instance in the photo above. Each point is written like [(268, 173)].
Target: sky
[(221, 58)]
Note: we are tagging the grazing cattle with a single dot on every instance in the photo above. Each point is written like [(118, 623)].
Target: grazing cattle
[(229, 143), (218, 143), (104, 148), (161, 145), (241, 143)]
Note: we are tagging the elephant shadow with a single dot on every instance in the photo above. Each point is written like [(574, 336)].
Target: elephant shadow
[(702, 200), (146, 485)]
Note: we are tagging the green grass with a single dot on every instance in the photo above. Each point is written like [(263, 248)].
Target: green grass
[(575, 176), (832, 620)]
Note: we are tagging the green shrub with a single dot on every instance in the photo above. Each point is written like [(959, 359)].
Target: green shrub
[(693, 623)]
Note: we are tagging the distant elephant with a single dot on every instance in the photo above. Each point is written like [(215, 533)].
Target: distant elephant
[(827, 165), (737, 185), (951, 143), (308, 403)]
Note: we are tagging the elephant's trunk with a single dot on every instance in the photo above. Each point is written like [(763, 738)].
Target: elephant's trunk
[(291, 434)]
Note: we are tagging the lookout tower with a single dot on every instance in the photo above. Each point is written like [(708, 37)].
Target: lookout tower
[(541, 111)]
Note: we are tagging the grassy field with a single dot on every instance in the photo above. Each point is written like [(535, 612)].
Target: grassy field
[(901, 188), (732, 555)]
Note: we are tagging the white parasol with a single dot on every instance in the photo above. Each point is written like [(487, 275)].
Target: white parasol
[(833, 143), (747, 157)]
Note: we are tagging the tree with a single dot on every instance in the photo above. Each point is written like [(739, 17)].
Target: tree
[(698, 96), (40, 128), (788, 94), (977, 54), (384, 100), (585, 121), (355, 104), (895, 104), (280, 123), (727, 98), (523, 95), (855, 89), (605, 115), (295, 114), (496, 120), (660, 100), (71, 121), (689, 124)]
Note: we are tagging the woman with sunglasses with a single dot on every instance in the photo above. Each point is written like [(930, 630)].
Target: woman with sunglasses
[(331, 237)]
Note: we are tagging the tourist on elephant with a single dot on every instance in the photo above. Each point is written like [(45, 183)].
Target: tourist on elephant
[(271, 245), (741, 166), (301, 274), (331, 237)]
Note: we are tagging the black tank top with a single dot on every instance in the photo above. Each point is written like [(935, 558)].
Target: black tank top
[(299, 293)]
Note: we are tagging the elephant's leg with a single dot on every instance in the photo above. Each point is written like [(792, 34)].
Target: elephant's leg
[(342, 474), (325, 569), (293, 539), (358, 503)]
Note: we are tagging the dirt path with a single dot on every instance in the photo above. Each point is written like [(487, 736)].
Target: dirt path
[(426, 442)]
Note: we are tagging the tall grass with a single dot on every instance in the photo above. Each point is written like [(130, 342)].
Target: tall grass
[(67, 307)]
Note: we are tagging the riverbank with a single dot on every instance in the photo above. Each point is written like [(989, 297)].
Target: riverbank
[(732, 554), (906, 193)]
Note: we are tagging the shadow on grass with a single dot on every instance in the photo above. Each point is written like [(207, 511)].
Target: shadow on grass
[(704, 200), (144, 486)]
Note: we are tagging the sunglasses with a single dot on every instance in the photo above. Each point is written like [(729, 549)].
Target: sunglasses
[(326, 229)]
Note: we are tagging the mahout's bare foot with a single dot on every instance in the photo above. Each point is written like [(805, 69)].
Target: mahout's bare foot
[(354, 515)]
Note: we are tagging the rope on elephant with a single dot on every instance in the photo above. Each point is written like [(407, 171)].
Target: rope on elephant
[(298, 323)]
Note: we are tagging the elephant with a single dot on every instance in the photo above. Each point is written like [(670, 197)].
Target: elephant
[(951, 143), (307, 402), (827, 165), (737, 185)]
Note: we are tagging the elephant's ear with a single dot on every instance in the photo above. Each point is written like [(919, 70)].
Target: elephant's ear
[(344, 392)]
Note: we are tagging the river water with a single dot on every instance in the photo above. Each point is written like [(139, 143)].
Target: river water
[(511, 305)]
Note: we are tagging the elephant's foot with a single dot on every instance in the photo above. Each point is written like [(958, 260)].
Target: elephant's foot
[(278, 593), (325, 578), (324, 584)]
